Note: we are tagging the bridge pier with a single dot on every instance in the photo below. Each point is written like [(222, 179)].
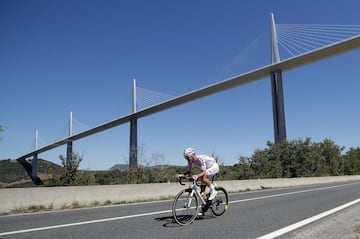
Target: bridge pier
[(278, 106), (69, 152), (34, 166), (133, 143), (29, 170), (32, 169)]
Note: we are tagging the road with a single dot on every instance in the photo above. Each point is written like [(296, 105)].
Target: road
[(250, 215)]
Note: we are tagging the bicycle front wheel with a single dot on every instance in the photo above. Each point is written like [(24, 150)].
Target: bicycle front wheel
[(185, 207), (220, 203)]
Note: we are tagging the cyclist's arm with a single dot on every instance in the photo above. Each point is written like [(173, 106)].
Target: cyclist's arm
[(202, 174), (187, 173), (188, 169)]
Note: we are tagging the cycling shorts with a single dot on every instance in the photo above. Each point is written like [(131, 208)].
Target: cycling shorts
[(212, 171)]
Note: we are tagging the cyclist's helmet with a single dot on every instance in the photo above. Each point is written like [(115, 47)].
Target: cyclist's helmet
[(188, 153)]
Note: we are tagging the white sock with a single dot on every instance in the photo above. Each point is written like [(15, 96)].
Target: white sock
[(212, 187)]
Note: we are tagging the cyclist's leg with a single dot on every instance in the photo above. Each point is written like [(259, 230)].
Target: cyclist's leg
[(202, 189), (210, 172), (205, 180)]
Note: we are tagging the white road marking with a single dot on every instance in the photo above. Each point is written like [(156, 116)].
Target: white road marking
[(291, 193), (169, 211), (82, 223), (302, 223)]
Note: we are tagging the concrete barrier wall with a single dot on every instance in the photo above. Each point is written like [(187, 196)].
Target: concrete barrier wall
[(60, 197)]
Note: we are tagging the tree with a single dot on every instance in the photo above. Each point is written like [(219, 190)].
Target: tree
[(331, 155), (352, 161), (244, 169), (295, 158), (70, 168), (266, 163)]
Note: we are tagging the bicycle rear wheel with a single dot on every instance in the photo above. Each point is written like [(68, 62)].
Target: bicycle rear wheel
[(185, 208), (220, 203)]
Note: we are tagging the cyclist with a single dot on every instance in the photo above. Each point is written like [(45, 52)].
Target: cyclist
[(208, 166)]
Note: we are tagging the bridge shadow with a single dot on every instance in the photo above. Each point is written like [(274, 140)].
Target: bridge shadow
[(28, 168)]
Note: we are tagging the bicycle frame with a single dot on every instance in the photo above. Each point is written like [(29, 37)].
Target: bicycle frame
[(192, 190)]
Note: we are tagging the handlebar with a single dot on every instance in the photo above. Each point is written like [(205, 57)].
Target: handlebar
[(190, 179)]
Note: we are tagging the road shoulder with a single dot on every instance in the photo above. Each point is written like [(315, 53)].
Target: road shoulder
[(344, 224)]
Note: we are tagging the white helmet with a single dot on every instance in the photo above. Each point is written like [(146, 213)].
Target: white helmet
[(189, 152)]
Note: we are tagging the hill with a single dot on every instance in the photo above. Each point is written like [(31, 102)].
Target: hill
[(120, 167), (13, 174), (126, 166)]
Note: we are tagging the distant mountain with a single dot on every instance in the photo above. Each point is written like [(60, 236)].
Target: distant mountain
[(120, 167), (126, 166)]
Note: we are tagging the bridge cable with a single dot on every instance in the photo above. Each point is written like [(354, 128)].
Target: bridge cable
[(147, 98), (298, 39)]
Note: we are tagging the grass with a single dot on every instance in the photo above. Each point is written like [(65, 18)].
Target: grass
[(29, 209), (73, 205)]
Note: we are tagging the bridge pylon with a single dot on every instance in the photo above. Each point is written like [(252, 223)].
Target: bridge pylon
[(277, 89), (133, 133), (35, 157), (69, 148)]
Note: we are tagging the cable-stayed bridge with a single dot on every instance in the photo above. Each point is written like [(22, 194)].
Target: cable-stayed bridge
[(303, 44)]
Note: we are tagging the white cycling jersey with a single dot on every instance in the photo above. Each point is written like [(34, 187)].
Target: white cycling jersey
[(204, 162)]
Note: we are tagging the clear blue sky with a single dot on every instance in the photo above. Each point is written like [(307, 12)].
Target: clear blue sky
[(63, 56)]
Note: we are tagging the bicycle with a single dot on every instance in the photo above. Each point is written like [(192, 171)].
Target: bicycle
[(186, 204)]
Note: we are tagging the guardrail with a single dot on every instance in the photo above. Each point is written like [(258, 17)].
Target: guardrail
[(62, 197)]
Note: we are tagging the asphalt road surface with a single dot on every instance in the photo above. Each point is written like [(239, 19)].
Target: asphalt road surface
[(250, 215)]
